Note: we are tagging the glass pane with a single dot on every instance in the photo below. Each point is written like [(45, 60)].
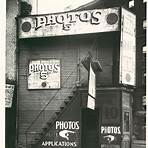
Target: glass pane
[(126, 122)]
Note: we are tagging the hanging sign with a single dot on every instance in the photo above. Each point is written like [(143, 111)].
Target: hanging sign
[(9, 91), (128, 48), (91, 89), (80, 22), (44, 74)]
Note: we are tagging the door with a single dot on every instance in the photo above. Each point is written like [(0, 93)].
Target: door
[(126, 120), (90, 126)]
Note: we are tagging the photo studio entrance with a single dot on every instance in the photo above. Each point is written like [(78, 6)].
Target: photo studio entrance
[(75, 79)]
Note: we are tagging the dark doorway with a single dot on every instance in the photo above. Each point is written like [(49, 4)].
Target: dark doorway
[(90, 128)]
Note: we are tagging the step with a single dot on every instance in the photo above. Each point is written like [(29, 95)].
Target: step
[(62, 107), (70, 97), (67, 101), (33, 145), (74, 91), (49, 123), (44, 128), (41, 134), (37, 139)]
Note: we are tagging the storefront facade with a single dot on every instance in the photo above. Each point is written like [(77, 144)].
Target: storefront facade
[(53, 81)]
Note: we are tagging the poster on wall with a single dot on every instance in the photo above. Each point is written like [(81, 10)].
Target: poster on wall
[(64, 134), (128, 48), (44, 74), (110, 134), (9, 91)]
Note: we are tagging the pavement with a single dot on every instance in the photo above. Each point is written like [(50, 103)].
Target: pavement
[(139, 144)]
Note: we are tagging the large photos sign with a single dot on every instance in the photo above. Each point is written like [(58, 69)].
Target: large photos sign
[(80, 22), (44, 74), (128, 48)]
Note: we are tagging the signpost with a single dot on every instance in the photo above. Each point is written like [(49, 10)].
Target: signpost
[(128, 48)]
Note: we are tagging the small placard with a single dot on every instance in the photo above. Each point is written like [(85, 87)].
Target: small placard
[(44, 74), (9, 91)]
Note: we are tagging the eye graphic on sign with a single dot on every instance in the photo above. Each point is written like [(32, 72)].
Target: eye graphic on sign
[(65, 133), (110, 138)]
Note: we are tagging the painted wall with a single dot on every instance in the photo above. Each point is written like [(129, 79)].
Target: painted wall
[(31, 102), (70, 50), (10, 71)]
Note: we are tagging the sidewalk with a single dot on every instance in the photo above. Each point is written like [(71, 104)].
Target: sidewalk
[(139, 144)]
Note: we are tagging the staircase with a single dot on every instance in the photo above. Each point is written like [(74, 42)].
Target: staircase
[(51, 111)]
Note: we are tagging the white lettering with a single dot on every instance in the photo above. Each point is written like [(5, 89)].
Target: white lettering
[(59, 143), (110, 130), (95, 17), (67, 19), (67, 125)]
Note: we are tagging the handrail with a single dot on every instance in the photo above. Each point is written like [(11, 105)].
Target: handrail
[(49, 101), (55, 120)]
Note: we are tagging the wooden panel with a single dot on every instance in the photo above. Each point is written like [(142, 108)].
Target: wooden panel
[(31, 102)]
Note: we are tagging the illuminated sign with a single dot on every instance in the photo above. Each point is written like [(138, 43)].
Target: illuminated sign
[(44, 74), (66, 135), (110, 134), (80, 22), (128, 48), (9, 90)]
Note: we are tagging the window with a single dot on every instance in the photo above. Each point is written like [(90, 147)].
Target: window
[(126, 121)]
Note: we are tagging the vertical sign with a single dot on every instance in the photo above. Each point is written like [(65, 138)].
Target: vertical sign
[(128, 48), (91, 89), (9, 90), (44, 74)]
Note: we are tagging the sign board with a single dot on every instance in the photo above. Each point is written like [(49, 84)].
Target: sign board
[(9, 91), (91, 102), (66, 134), (110, 134), (128, 48), (44, 74), (80, 22), (91, 89), (92, 82)]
